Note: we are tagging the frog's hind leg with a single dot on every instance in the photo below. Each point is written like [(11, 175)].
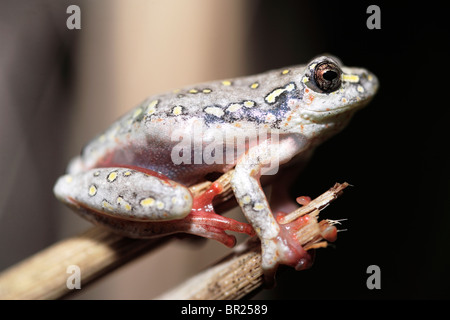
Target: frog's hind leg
[(201, 221), (139, 203)]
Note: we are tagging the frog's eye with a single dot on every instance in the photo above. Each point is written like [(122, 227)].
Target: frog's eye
[(327, 76)]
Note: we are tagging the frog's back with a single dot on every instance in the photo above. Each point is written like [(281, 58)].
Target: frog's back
[(144, 136), (256, 99)]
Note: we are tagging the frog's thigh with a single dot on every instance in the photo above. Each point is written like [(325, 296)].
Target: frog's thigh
[(126, 193)]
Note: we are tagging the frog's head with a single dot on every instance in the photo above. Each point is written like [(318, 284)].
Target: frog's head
[(329, 95)]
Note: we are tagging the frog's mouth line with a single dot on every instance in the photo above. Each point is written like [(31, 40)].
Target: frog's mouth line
[(351, 106)]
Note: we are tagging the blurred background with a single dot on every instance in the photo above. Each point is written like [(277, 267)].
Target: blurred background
[(60, 87)]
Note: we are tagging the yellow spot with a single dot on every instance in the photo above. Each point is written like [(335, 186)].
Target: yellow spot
[(369, 77), (311, 67), (344, 100), (305, 79), (290, 87), (234, 107), (151, 108), (273, 95), (285, 71), (360, 89), (176, 90), (249, 104), (246, 200), (193, 91), (69, 179), (174, 200), (226, 83), (159, 204), (92, 190), (207, 91), (147, 202), (137, 112), (102, 138), (258, 206), (350, 78), (107, 205), (127, 173), (177, 110), (112, 176), (218, 112), (123, 203), (254, 85), (186, 197), (96, 173)]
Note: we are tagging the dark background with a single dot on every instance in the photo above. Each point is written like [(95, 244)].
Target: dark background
[(394, 152)]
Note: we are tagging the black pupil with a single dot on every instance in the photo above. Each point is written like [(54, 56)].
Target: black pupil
[(329, 75)]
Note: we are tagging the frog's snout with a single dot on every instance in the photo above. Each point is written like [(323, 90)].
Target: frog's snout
[(359, 83), (369, 82)]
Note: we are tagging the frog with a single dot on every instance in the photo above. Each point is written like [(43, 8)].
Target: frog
[(134, 177)]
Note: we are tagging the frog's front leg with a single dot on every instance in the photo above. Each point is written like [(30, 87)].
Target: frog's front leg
[(278, 245)]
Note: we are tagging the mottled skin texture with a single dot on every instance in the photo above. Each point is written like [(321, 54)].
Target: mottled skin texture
[(291, 110)]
